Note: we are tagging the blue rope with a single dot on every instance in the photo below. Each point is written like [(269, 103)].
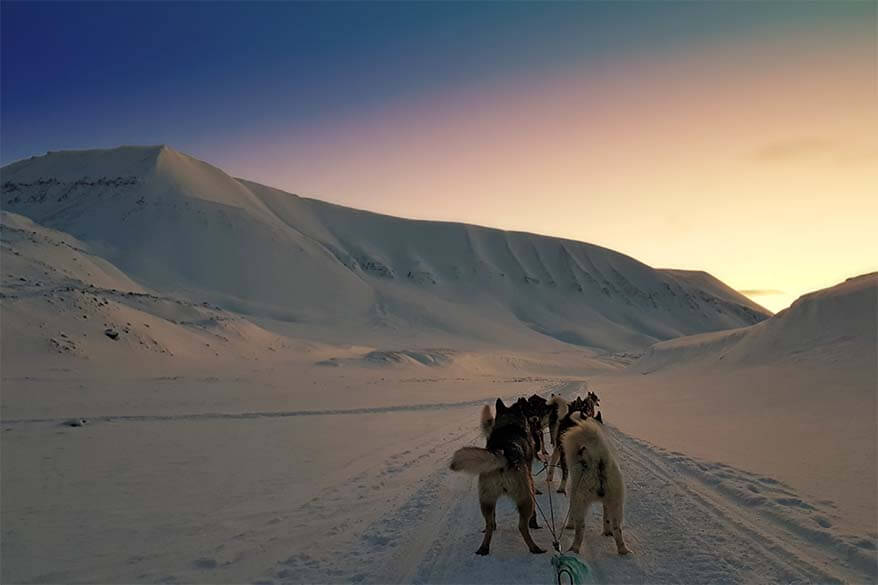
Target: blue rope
[(577, 572)]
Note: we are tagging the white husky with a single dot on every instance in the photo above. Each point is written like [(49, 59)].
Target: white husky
[(594, 476)]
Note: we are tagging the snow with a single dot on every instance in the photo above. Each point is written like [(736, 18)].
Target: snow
[(182, 227), (283, 398)]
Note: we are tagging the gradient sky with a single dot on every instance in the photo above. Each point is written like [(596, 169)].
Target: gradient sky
[(739, 138)]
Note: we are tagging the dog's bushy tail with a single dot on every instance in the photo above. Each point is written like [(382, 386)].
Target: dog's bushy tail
[(560, 405), (476, 460), (487, 423), (585, 436)]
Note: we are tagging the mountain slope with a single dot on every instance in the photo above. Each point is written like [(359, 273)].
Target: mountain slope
[(838, 322), (793, 396), (178, 225), (714, 286)]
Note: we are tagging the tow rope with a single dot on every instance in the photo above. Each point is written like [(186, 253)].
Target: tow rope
[(575, 571), (569, 569)]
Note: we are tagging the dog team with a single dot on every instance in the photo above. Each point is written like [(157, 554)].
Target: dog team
[(515, 438)]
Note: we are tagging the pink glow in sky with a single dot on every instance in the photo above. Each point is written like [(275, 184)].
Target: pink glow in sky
[(757, 164)]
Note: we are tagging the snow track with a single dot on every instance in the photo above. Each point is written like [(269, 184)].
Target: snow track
[(365, 496), (687, 522)]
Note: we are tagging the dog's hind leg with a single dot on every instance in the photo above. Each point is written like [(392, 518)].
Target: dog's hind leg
[(577, 516), (562, 487), (617, 534), (488, 512), (615, 509), (608, 529), (575, 499), (526, 510), (533, 518), (493, 520), (553, 462)]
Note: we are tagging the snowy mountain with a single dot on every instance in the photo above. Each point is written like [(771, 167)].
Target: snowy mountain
[(840, 320), (173, 225)]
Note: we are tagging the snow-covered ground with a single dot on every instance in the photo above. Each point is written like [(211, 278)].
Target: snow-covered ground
[(364, 495), (272, 388)]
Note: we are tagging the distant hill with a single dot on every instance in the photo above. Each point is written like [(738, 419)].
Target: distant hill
[(839, 324)]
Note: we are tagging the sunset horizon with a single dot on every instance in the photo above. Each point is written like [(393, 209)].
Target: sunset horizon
[(772, 120)]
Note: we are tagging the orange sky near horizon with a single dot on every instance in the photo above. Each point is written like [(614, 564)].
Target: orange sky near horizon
[(759, 165)]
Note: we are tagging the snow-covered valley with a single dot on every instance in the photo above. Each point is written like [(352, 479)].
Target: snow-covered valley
[(272, 386)]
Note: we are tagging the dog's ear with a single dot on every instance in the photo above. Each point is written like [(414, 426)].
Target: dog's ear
[(500, 407)]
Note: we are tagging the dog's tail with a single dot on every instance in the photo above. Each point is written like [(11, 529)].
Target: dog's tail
[(476, 460), (577, 416), (487, 424), (584, 440), (560, 406)]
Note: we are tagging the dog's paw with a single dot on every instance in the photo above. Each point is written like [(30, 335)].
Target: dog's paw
[(538, 492), (573, 550), (607, 533), (569, 527), (537, 550), (624, 551), (483, 551), (561, 491)]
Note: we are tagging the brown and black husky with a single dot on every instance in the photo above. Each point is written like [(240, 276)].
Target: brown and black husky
[(504, 468)]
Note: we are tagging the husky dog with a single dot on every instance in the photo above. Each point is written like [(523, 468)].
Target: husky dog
[(503, 467), (557, 410), (590, 403), (487, 422), (558, 459), (538, 407), (594, 476), (538, 418), (535, 431), (564, 422)]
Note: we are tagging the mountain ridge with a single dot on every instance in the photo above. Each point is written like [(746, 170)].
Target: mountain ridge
[(174, 223)]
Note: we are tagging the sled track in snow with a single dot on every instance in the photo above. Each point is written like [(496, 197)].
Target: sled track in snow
[(687, 521)]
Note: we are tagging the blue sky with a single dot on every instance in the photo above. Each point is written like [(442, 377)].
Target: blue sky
[(199, 73), (733, 137)]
